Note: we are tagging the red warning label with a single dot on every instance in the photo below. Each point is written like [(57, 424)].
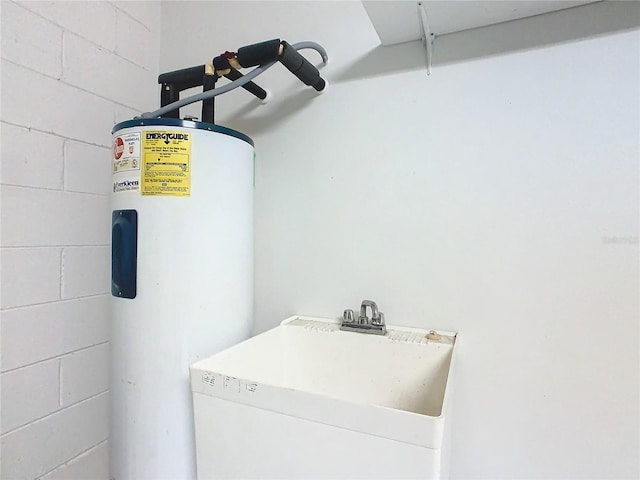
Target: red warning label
[(118, 148)]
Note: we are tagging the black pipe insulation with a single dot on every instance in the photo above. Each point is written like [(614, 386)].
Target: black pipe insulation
[(208, 105), (301, 67), (264, 54), (185, 78), (259, 53), (221, 64), (249, 86)]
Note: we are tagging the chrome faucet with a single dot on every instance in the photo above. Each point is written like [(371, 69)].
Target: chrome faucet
[(363, 324)]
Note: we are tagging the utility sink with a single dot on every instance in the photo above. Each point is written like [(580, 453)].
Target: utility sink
[(307, 400)]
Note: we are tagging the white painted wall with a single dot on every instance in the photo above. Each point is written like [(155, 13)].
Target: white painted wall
[(498, 198), (69, 71)]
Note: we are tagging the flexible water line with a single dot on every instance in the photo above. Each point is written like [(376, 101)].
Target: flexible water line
[(230, 86)]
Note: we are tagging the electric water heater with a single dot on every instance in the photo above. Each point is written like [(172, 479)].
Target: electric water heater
[(182, 278), (182, 256)]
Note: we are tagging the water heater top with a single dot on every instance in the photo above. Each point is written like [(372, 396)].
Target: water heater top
[(176, 122)]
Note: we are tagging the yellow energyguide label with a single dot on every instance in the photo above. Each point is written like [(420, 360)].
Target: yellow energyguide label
[(166, 163)]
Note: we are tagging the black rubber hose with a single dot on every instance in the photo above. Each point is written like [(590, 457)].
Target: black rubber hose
[(301, 67)]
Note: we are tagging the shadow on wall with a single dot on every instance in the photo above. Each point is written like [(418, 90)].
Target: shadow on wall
[(380, 61), (259, 123), (509, 37), (539, 31)]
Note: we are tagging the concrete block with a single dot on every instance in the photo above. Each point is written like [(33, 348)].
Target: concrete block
[(85, 271), (30, 40), (92, 464), (28, 394), (135, 42), (31, 158), (84, 374), (147, 13), (29, 275), (41, 446), (92, 20), (125, 113), (87, 168), (34, 217), (35, 101), (39, 332), (104, 73)]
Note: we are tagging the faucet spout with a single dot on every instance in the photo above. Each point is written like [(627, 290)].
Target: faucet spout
[(375, 314)]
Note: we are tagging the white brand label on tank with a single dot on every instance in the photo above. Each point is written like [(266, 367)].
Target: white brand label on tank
[(126, 185), (126, 163)]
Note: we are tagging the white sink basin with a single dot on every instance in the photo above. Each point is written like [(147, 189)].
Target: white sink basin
[(392, 386)]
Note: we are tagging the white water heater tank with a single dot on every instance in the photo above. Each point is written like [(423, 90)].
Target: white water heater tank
[(182, 280)]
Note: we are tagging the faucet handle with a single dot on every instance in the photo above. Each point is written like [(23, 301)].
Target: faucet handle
[(349, 316), (379, 320)]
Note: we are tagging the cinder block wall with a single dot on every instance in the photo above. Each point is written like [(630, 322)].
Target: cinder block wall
[(70, 70)]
